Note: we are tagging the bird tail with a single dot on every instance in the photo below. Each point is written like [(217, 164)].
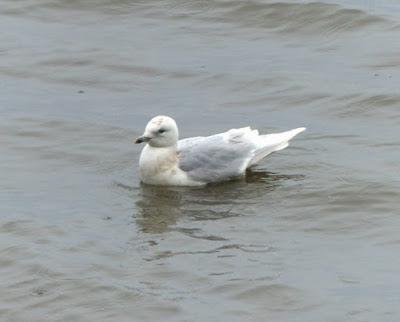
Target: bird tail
[(268, 143)]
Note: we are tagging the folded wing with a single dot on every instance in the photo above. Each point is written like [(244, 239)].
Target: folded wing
[(227, 155), (218, 157)]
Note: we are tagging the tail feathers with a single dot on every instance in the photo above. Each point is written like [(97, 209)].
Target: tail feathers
[(273, 142)]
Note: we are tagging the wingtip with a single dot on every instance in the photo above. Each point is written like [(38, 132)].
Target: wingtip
[(300, 129)]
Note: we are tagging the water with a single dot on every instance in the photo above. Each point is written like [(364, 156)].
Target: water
[(311, 235)]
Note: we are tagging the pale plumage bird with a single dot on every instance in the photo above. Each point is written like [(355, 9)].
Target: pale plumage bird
[(166, 160)]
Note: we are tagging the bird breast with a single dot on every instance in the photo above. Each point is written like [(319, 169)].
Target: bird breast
[(157, 162)]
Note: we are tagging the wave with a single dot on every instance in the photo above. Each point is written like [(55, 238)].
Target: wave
[(296, 18), (372, 105), (281, 17)]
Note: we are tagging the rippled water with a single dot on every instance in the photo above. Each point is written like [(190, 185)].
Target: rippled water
[(311, 235)]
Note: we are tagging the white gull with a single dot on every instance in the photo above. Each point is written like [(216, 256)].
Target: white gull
[(195, 161)]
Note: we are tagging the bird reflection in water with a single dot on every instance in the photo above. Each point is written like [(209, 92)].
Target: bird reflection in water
[(160, 207)]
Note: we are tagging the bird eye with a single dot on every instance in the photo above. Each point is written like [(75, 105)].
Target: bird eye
[(161, 130)]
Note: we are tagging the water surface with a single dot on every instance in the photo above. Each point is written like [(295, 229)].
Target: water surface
[(310, 235)]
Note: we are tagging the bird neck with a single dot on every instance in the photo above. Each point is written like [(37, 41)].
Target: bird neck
[(156, 155), (163, 149)]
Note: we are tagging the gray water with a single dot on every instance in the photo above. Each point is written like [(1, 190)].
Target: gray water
[(312, 234)]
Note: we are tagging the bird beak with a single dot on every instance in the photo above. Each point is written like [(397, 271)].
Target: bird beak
[(142, 139)]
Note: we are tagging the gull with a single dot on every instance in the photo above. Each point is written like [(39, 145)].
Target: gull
[(167, 161)]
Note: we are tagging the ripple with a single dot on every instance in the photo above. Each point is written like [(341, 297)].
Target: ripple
[(380, 105), (274, 296), (283, 17), (305, 17), (313, 18)]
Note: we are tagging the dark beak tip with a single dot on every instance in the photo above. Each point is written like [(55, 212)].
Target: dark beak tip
[(138, 141)]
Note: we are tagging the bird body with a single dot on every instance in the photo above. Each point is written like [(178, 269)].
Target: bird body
[(165, 160)]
